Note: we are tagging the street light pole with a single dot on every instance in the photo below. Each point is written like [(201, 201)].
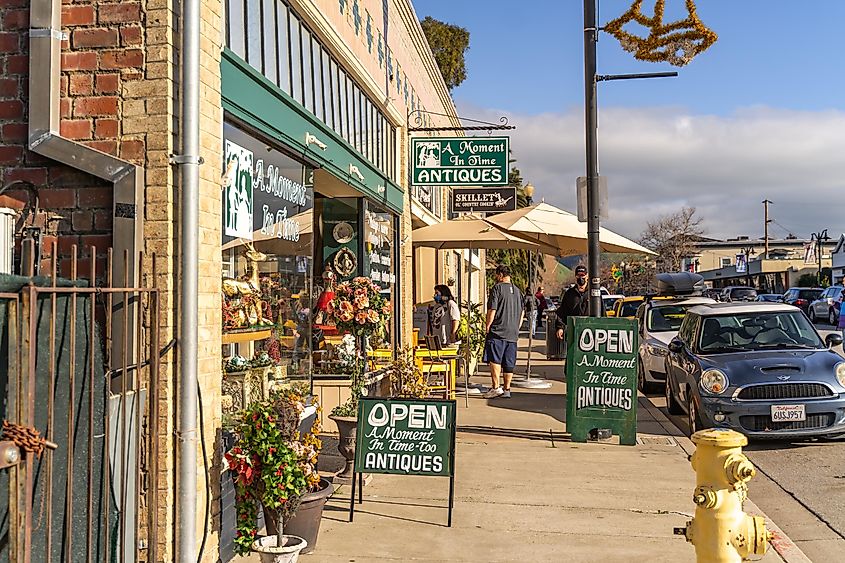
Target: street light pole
[(590, 118), (591, 79), (819, 237)]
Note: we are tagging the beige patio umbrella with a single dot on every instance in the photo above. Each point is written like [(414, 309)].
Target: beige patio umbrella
[(546, 224), (471, 231)]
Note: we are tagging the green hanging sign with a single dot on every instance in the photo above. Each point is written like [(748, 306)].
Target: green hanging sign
[(459, 161), (601, 377)]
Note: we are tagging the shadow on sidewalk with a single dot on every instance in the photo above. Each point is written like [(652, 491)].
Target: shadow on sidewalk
[(550, 404), (541, 435)]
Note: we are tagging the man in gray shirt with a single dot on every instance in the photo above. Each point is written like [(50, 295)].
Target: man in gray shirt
[(504, 317)]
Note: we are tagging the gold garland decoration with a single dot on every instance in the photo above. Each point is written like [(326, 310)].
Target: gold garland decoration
[(676, 43)]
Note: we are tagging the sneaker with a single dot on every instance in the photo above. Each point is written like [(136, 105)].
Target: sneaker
[(493, 393), (506, 394)]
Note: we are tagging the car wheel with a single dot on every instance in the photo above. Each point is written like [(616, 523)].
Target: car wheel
[(812, 315), (694, 420), (671, 404), (831, 317), (643, 383)]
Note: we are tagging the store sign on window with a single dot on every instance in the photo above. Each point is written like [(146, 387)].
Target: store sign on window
[(460, 161), (264, 190), (378, 246)]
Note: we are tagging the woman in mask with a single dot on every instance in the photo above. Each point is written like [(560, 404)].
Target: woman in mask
[(447, 312)]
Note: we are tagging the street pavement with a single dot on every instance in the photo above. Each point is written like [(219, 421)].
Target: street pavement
[(523, 492), (800, 485)]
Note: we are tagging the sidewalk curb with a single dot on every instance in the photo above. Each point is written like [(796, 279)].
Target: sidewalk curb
[(782, 544)]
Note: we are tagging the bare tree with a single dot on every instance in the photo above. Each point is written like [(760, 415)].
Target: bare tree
[(672, 237)]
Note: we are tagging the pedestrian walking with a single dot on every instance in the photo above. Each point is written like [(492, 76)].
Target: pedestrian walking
[(542, 303), (530, 305), (575, 302), (841, 324), (504, 317), (446, 315)]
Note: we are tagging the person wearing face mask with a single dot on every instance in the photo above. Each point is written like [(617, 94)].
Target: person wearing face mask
[(447, 313), (575, 302)]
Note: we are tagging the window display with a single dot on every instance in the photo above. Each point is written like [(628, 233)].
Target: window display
[(267, 268)]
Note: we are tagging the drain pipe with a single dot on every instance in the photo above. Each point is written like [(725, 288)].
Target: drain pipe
[(45, 52), (189, 162)]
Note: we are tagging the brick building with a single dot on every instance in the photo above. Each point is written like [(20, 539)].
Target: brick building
[(308, 99)]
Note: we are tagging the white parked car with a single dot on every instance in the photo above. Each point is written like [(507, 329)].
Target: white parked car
[(658, 321)]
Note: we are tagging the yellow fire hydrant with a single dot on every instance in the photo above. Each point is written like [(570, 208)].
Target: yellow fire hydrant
[(720, 531)]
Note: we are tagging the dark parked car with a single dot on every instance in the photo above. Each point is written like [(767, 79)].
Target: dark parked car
[(770, 297), (759, 368), (714, 294), (801, 297), (827, 305), (738, 293)]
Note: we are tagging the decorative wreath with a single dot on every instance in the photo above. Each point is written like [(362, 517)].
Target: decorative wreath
[(676, 43)]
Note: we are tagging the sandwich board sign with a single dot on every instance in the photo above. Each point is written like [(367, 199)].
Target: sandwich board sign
[(601, 377), (405, 437)]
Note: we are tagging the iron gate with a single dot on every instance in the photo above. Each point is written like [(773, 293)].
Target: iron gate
[(80, 361)]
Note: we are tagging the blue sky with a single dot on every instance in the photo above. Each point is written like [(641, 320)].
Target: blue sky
[(761, 114)]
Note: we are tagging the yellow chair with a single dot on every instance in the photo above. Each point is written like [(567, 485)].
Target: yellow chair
[(431, 363)]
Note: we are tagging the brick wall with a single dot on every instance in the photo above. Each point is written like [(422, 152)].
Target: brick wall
[(103, 52)]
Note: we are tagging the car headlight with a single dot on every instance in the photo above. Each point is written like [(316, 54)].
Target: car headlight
[(656, 350), (714, 381), (840, 373)]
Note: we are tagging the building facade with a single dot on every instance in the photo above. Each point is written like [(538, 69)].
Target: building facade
[(305, 108)]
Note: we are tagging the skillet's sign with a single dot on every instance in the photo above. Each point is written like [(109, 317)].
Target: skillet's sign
[(459, 161), (483, 200), (601, 377)]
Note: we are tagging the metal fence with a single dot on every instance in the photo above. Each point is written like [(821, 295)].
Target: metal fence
[(81, 356)]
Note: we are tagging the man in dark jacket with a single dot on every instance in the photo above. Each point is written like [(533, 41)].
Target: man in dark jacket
[(575, 302)]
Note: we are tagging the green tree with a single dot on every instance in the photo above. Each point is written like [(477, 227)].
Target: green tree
[(449, 43)]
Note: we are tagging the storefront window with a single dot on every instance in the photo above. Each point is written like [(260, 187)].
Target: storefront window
[(380, 257), (267, 267)]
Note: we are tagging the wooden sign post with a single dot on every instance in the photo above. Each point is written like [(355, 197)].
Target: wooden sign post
[(407, 437)]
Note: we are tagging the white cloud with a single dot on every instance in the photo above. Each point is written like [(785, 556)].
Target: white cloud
[(659, 159)]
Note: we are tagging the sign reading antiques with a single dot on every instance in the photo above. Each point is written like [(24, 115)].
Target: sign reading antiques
[(459, 161), (601, 377), (405, 436), (483, 200)]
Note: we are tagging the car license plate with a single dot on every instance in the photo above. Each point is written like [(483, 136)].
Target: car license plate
[(788, 413)]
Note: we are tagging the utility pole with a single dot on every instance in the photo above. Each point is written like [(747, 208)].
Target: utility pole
[(766, 222), (591, 79), (590, 119)]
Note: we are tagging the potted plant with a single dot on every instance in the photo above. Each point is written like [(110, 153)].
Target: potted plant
[(471, 332), (358, 308), (407, 380), (275, 470)]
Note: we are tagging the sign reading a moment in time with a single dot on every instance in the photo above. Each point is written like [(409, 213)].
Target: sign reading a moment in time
[(407, 437), (601, 377), (459, 161), (262, 193)]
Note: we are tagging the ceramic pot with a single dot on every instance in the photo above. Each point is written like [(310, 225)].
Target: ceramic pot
[(305, 522), (279, 549), (347, 426)]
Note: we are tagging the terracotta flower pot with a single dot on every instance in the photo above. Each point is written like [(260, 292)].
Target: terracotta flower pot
[(305, 522), (347, 426)]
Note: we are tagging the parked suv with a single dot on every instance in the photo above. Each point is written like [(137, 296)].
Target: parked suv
[(827, 305), (738, 293), (801, 297)]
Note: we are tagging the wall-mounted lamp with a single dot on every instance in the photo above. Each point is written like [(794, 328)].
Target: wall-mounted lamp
[(355, 172), (313, 140)]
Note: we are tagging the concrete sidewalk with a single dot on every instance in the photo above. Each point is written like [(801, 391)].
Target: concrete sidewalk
[(523, 492)]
